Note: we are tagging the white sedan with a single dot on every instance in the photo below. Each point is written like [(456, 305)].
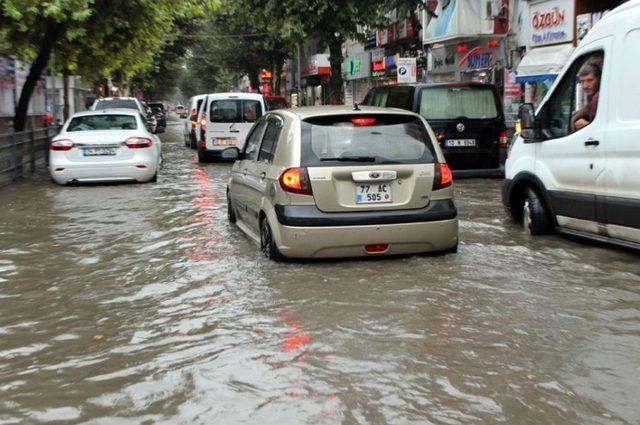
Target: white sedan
[(109, 145)]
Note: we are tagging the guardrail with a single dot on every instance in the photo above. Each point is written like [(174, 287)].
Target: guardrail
[(24, 152)]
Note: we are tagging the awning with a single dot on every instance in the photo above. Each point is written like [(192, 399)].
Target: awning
[(543, 63)]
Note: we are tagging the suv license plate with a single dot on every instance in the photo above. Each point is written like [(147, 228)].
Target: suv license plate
[(455, 143), (373, 193), (99, 151)]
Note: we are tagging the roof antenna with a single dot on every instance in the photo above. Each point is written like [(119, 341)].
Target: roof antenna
[(355, 106)]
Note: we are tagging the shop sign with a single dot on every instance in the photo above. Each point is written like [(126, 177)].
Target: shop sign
[(390, 62), (551, 22), (443, 59), (377, 62), (357, 66), (318, 65), (407, 70)]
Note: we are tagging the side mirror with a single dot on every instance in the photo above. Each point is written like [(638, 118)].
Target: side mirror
[(529, 128), (231, 154)]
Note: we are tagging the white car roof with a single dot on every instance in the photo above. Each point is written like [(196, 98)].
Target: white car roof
[(236, 95), (108, 111)]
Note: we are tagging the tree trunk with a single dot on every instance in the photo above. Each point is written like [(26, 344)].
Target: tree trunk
[(65, 85), (334, 97), (254, 79), (276, 78), (52, 33)]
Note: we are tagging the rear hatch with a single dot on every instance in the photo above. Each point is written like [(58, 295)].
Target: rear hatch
[(368, 162), (467, 120), (229, 121)]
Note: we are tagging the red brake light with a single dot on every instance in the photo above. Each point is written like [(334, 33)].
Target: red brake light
[(443, 176), (363, 121), (61, 145), (138, 142), (504, 139), (296, 180), (376, 248), (203, 121)]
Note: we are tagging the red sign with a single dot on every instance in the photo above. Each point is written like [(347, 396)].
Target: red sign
[(548, 19)]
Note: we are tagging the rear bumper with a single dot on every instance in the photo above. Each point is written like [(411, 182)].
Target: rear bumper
[(350, 241), (311, 216), (480, 172), (67, 172)]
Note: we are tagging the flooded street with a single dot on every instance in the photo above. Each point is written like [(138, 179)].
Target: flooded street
[(142, 304)]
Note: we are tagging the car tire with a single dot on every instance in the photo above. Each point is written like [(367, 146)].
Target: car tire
[(231, 214), (267, 244), (535, 217)]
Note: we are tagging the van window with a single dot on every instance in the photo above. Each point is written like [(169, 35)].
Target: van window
[(270, 139), (234, 110), (570, 104), (450, 103), (400, 97), (388, 139)]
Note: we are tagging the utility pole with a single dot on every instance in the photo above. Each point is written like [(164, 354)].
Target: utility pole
[(298, 75)]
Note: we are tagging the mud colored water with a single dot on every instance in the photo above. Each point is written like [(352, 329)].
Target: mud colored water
[(141, 304)]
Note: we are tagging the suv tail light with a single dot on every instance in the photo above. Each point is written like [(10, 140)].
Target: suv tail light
[(138, 142), (61, 145), (443, 176), (504, 139), (296, 180)]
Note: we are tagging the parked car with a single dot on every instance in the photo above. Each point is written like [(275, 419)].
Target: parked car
[(467, 118), (333, 182), (275, 102), (160, 113), (105, 145), (224, 120), (582, 179), (181, 111), (190, 132)]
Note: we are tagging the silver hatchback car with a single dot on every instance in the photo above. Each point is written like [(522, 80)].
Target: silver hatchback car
[(336, 182)]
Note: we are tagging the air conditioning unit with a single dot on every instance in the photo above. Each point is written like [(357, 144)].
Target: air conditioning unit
[(495, 9)]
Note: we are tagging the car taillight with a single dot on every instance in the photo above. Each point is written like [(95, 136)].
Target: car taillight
[(61, 145), (296, 180), (443, 176), (138, 142), (504, 139), (203, 122), (376, 248)]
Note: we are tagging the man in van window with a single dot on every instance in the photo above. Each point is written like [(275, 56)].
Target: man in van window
[(589, 75)]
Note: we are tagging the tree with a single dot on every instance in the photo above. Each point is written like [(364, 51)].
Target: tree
[(94, 36)]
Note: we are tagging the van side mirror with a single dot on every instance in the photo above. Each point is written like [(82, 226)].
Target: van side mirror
[(529, 128)]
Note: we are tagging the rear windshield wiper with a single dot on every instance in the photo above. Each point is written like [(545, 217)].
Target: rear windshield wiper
[(351, 159)]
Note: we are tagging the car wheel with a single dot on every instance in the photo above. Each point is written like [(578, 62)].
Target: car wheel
[(231, 214), (267, 244), (535, 217)]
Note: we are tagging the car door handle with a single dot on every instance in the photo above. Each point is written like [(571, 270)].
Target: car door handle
[(263, 176), (591, 143), (234, 131)]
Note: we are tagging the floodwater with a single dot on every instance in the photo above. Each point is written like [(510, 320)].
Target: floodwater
[(142, 304)]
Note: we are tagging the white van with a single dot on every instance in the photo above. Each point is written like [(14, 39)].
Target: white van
[(225, 120), (584, 182), (190, 125)]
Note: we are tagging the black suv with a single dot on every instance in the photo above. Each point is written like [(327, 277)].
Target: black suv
[(467, 119)]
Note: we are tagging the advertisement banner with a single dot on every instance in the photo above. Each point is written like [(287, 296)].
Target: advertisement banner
[(551, 22), (407, 70)]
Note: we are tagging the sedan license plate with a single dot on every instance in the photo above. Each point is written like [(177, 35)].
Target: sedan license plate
[(373, 193), (224, 141), (99, 151), (455, 143)]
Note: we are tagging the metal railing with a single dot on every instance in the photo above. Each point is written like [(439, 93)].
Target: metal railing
[(24, 152)]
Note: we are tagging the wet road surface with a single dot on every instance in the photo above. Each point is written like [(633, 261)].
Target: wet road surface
[(142, 304)]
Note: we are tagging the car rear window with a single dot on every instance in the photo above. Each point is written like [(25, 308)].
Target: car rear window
[(103, 122), (450, 103), (117, 103), (351, 139), (234, 110)]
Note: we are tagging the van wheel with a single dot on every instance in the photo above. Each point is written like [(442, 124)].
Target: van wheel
[(535, 217), (231, 214), (267, 244)]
